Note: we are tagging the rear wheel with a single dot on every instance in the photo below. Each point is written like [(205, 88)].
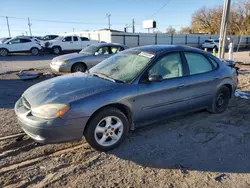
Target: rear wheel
[(78, 67), (221, 100), (34, 51), (3, 52), (107, 129)]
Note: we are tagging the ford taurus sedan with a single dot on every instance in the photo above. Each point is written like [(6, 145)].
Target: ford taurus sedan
[(126, 91), (85, 59)]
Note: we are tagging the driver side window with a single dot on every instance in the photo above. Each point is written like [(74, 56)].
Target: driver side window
[(103, 51), (15, 41), (168, 67), (67, 39)]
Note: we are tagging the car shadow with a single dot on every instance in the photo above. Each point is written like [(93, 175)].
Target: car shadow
[(27, 57), (198, 141), (12, 89)]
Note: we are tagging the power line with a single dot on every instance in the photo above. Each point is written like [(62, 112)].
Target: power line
[(58, 21), (162, 7)]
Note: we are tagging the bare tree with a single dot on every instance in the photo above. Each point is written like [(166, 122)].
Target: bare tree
[(207, 20), (170, 30), (185, 30)]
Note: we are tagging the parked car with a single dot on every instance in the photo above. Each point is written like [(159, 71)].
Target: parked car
[(20, 44), (68, 43), (128, 90), (85, 59), (2, 40), (211, 44)]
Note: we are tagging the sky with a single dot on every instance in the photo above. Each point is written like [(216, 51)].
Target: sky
[(56, 16)]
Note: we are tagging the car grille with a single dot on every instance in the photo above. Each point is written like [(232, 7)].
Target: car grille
[(26, 104)]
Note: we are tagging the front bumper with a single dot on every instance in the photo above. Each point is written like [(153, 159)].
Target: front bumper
[(60, 68), (49, 131)]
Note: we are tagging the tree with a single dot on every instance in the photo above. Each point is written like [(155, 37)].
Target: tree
[(185, 30), (208, 20), (170, 30)]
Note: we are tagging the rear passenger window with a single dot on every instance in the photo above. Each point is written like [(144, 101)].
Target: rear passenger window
[(197, 63), (25, 40), (75, 38), (84, 39), (215, 64), (116, 49)]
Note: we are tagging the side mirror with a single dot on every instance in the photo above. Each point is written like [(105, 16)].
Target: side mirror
[(96, 53), (155, 78)]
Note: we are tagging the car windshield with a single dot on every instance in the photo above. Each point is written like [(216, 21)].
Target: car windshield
[(89, 50), (123, 67)]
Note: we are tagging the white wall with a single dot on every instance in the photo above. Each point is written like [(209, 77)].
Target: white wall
[(135, 39)]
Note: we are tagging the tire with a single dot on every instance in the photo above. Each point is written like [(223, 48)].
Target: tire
[(34, 51), (221, 100), (56, 50), (78, 67), (3, 52), (105, 136)]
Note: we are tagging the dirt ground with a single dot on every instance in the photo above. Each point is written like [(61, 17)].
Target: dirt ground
[(196, 150)]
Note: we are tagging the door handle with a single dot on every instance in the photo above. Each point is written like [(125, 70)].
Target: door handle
[(181, 86)]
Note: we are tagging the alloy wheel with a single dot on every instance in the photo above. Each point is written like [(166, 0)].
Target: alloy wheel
[(109, 131)]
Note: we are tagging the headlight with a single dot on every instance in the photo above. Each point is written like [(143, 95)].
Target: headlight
[(50, 111)]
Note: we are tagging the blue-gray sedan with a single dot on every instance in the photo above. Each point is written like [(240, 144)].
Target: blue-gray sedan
[(126, 91)]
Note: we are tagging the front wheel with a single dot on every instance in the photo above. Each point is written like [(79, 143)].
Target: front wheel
[(221, 100), (107, 129), (78, 67)]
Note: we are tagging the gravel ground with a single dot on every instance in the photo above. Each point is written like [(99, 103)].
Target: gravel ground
[(195, 150)]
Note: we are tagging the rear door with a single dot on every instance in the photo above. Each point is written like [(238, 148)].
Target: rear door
[(77, 43), (202, 80), (26, 44)]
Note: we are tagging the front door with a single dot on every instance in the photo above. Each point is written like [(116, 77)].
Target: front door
[(68, 43), (15, 45), (167, 97), (101, 54)]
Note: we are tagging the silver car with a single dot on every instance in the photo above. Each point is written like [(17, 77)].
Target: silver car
[(126, 91), (85, 59)]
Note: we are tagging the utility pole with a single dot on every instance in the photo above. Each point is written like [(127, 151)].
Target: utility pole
[(108, 15), (223, 28), (26, 33), (29, 24), (7, 20), (133, 25)]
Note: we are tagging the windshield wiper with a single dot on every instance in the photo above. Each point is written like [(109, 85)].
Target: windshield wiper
[(104, 76)]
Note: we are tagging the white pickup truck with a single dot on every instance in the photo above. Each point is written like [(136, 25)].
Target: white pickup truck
[(67, 43)]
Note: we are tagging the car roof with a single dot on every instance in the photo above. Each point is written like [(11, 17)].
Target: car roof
[(158, 49), (107, 44)]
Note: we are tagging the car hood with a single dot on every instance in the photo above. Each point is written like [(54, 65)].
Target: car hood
[(69, 56), (66, 89)]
